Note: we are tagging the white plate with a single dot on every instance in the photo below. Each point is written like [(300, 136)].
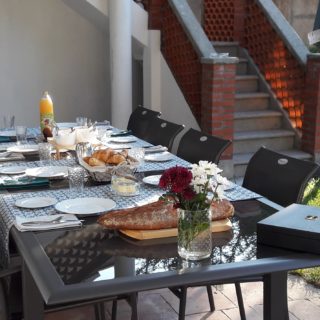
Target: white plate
[(13, 170), (164, 156), (127, 139), (36, 202), (48, 172), (85, 206), (153, 180), (24, 148)]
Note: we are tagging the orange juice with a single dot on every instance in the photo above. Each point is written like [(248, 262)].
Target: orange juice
[(46, 115)]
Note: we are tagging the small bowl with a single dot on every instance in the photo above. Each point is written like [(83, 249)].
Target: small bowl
[(124, 187), (85, 134), (65, 138)]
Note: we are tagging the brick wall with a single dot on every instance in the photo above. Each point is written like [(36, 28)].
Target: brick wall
[(217, 100), (311, 116)]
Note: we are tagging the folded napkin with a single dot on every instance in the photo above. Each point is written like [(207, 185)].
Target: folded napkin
[(155, 149), (9, 156), (5, 139), (56, 221), (122, 133), (24, 183)]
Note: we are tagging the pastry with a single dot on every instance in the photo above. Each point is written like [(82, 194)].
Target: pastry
[(116, 159), (95, 162)]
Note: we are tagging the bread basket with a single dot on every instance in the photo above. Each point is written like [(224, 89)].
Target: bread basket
[(104, 173)]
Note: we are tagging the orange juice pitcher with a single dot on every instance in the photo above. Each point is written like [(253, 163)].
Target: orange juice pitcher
[(46, 115)]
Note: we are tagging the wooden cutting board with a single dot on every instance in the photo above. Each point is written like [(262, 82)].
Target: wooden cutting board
[(216, 226)]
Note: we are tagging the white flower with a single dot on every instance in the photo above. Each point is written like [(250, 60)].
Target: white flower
[(210, 168)]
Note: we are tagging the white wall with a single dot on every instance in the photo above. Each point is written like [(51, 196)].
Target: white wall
[(173, 104), (45, 45)]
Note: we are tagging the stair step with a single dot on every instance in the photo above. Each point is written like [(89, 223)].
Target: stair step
[(246, 83), (229, 47), (251, 141), (251, 101), (257, 120), (241, 160), (242, 66)]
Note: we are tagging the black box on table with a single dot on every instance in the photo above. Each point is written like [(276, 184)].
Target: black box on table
[(295, 227)]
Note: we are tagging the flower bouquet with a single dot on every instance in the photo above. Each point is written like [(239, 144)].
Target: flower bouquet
[(192, 192)]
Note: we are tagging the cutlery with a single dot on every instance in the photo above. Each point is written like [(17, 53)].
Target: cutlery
[(57, 220)]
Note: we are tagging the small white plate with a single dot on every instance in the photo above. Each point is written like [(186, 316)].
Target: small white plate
[(85, 206), (13, 170), (153, 180), (127, 139), (36, 202), (230, 186), (165, 156), (24, 148), (48, 172)]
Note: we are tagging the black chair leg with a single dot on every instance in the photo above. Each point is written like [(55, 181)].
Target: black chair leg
[(210, 298), (183, 303), (240, 301), (99, 311), (134, 306), (114, 309)]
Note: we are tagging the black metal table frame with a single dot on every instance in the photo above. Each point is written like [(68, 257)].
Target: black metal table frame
[(42, 284)]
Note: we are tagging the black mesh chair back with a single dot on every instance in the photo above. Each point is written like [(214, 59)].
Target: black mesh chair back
[(139, 121), (279, 178), (195, 146), (162, 132)]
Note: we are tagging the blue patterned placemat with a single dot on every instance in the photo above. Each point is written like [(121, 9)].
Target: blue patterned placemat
[(240, 193), (9, 211)]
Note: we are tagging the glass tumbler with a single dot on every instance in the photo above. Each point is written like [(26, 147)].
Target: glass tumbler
[(45, 150), (76, 181), (138, 154), (21, 133)]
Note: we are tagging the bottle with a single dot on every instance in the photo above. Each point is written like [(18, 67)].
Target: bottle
[(46, 115)]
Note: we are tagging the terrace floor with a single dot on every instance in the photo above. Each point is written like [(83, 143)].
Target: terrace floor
[(304, 303)]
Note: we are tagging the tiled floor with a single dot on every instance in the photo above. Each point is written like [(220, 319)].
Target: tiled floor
[(304, 304)]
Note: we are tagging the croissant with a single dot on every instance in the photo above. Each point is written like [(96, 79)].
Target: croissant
[(95, 162), (116, 159), (103, 155)]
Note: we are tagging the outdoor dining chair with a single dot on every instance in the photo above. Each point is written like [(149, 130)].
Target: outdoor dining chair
[(280, 178), (162, 132), (196, 145), (139, 121)]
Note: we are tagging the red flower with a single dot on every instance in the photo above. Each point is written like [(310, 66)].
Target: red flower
[(175, 179), (188, 194)]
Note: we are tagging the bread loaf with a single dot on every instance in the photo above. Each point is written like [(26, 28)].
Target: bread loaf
[(156, 215)]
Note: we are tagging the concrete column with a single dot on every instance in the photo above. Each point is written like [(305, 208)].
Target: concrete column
[(120, 61), (152, 72)]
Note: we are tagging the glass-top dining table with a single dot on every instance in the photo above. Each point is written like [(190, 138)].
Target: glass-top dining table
[(90, 263)]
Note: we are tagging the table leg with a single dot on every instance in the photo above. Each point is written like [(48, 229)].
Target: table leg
[(275, 304), (33, 306)]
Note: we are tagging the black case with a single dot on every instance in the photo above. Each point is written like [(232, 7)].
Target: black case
[(295, 227)]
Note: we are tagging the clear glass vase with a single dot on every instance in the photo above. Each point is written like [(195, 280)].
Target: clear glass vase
[(194, 234)]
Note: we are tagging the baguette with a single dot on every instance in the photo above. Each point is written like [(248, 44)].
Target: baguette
[(156, 215)]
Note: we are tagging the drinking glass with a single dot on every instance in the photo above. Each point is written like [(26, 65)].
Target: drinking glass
[(21, 133), (138, 154), (45, 152), (82, 121), (76, 181)]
